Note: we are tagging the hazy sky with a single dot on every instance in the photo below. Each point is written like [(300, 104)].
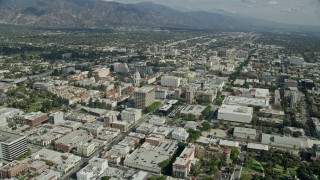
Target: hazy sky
[(290, 11)]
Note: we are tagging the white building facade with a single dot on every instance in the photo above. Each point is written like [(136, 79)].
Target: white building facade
[(131, 115), (170, 81)]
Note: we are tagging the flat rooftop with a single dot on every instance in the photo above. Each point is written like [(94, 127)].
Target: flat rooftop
[(8, 137), (145, 89), (75, 137), (148, 156), (235, 109), (239, 100), (193, 109), (245, 130), (258, 146)]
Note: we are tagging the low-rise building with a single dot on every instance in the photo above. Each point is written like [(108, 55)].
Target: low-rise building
[(195, 110), (63, 162), (44, 140), (148, 157), (48, 174), (170, 81), (272, 113), (182, 164), (73, 125), (284, 142), (290, 83), (8, 113), (316, 124), (56, 118), (116, 154), (145, 128), (37, 167), (131, 115), (155, 139), (72, 140), (78, 117), (180, 134), (244, 133), (233, 113), (161, 93), (257, 147), (93, 170), (108, 134), (227, 143), (13, 169), (93, 128), (32, 119), (157, 120), (122, 125), (162, 130), (86, 149), (246, 101)]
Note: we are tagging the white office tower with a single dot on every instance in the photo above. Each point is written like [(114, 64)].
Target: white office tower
[(12, 145), (170, 81)]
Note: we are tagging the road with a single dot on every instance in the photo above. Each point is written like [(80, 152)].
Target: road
[(183, 41), (237, 172)]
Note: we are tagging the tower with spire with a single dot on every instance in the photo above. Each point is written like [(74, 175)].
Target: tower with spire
[(136, 78)]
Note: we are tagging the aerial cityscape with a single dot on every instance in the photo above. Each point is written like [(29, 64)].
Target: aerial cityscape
[(93, 89)]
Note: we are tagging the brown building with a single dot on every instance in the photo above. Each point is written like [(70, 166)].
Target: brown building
[(72, 140), (155, 139), (38, 167), (13, 169), (122, 125), (35, 118)]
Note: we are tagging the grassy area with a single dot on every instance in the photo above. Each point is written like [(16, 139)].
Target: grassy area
[(279, 169), (245, 177), (257, 166), (248, 173), (153, 107)]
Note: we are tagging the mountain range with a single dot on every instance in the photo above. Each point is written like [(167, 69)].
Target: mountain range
[(100, 14)]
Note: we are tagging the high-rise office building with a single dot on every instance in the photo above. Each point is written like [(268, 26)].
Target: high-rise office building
[(12, 145), (144, 97)]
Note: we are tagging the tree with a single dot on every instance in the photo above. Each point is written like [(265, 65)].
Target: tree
[(248, 161), (234, 153), (91, 104), (297, 134), (206, 111), (216, 126), (255, 120), (206, 126), (195, 170), (106, 178), (286, 131), (153, 107), (153, 178), (165, 165), (194, 135), (191, 117)]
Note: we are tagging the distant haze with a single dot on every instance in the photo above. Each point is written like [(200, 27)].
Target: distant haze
[(302, 12)]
